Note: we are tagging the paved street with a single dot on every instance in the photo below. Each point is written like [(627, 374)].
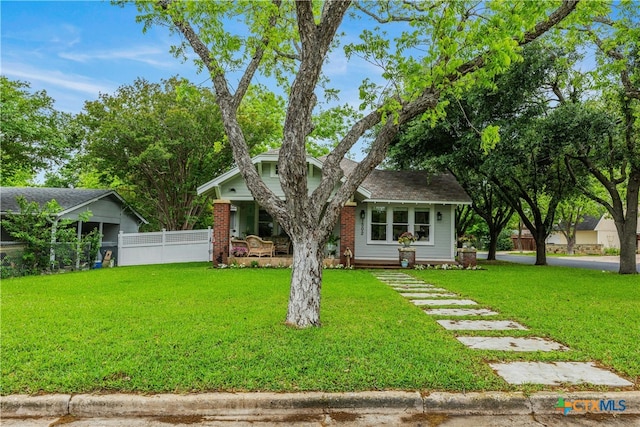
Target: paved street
[(605, 263)]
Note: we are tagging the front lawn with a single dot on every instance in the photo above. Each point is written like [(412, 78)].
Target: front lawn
[(182, 328), (596, 314)]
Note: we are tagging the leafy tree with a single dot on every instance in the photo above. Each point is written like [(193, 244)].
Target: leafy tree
[(571, 213), (32, 133), (156, 143), (614, 159), (490, 206), (516, 174), (441, 49)]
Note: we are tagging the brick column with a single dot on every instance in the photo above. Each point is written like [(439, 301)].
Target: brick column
[(348, 231), (221, 218)]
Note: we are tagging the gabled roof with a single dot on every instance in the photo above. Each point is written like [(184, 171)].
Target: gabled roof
[(412, 185), (69, 199), (418, 186), (588, 223), (380, 185)]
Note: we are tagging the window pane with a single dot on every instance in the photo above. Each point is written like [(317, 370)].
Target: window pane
[(398, 230), (422, 217), (379, 223), (379, 232), (401, 216), (421, 226), (400, 221), (379, 215), (421, 232)]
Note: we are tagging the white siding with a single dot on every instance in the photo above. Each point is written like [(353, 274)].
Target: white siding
[(236, 188)]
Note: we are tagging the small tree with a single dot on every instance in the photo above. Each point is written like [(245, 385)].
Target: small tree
[(39, 228), (570, 214)]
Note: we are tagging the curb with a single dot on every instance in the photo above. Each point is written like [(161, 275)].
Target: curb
[(210, 404)]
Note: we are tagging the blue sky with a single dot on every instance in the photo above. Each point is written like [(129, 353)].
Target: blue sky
[(76, 49)]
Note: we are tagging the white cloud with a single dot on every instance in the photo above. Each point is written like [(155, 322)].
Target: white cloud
[(69, 81), (150, 55)]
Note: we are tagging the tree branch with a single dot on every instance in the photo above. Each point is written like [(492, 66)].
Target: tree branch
[(554, 18), (228, 104)]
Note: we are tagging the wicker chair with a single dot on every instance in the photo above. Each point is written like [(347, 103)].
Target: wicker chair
[(282, 245), (259, 247)]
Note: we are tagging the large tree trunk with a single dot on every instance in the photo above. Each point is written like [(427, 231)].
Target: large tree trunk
[(541, 247), (571, 243), (306, 283), (628, 247), (493, 243), (628, 231)]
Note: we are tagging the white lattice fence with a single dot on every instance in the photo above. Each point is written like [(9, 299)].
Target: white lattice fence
[(164, 247)]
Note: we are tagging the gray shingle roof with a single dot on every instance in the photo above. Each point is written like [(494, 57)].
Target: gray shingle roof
[(410, 185), (418, 186), (415, 186), (67, 198), (588, 223)]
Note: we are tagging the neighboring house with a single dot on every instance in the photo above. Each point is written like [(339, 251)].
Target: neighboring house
[(591, 231), (387, 204), (110, 213)]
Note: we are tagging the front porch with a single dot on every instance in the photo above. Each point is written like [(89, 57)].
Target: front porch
[(231, 216)]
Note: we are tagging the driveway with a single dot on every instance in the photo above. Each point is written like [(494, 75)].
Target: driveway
[(605, 263)]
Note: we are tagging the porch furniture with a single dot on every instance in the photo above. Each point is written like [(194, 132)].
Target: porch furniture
[(282, 244), (259, 247), (239, 248)]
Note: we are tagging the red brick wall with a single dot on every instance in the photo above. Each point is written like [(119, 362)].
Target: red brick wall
[(221, 217), (348, 231)]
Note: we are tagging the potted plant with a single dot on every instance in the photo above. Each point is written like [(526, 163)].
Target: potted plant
[(404, 263), (406, 239)]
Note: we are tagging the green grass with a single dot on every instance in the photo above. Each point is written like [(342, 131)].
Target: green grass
[(595, 314), (183, 328)]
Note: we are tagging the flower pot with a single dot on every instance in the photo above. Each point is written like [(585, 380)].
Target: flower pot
[(404, 263)]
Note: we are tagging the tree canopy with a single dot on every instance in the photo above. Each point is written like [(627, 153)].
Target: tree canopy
[(33, 134), (157, 142)]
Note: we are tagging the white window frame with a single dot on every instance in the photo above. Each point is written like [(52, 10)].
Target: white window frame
[(273, 170), (410, 225)]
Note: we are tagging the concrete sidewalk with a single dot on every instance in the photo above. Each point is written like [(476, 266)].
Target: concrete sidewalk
[(357, 409)]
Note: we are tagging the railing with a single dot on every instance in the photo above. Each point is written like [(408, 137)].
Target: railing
[(164, 247)]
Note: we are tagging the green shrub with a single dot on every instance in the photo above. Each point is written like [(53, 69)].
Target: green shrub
[(50, 243)]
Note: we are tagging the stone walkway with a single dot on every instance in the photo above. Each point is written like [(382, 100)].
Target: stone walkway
[(548, 373)]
